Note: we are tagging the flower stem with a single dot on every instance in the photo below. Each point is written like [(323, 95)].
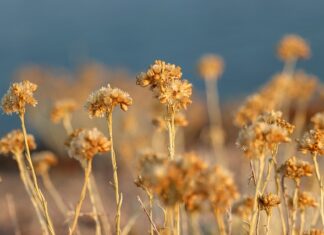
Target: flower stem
[(39, 194), (94, 207), (320, 183), (115, 175), (87, 173)]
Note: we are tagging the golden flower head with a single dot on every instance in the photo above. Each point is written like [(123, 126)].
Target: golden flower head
[(102, 102), (264, 134), (14, 143), (158, 74), (43, 161), (63, 109), (293, 47), (318, 121), (312, 142), (176, 95), (18, 95), (306, 200), (268, 201), (85, 144), (244, 208), (222, 189), (210, 66), (295, 169)]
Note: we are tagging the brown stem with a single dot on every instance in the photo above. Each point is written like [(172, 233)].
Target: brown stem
[(320, 184)]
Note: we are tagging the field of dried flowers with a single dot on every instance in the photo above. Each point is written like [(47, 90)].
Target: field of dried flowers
[(165, 166)]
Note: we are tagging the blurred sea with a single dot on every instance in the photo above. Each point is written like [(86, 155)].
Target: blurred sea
[(132, 33)]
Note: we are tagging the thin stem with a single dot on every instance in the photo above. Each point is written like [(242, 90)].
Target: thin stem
[(148, 214), (87, 173), (286, 199), (102, 215), (171, 129), (54, 193), (320, 183), (194, 223), (256, 195), (295, 207), (12, 214), (34, 179), (268, 224), (220, 223), (67, 124), (302, 222), (270, 166), (94, 208), (177, 218), (25, 178), (115, 175)]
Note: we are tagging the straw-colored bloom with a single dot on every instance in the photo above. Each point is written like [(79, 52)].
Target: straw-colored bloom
[(102, 102), (13, 142), (264, 134), (43, 161), (85, 144), (18, 96), (244, 208), (210, 66), (312, 142), (318, 121), (295, 169), (268, 201), (293, 47), (62, 109), (306, 200)]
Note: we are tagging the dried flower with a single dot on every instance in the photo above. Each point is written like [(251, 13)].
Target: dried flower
[(222, 189), (293, 47), (318, 121), (303, 87), (295, 169), (161, 124), (268, 201), (18, 95), (85, 144), (305, 200), (104, 100), (264, 134), (63, 109), (14, 143), (43, 161), (312, 142), (210, 66), (244, 208)]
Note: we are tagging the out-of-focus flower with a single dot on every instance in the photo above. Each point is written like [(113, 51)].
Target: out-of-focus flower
[(13, 142), (85, 144), (312, 142), (318, 121), (306, 200), (18, 96), (43, 161), (293, 47), (268, 201), (63, 109), (210, 66)]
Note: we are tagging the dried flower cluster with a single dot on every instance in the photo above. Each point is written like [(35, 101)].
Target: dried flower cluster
[(13, 142), (268, 202), (244, 208), (306, 200), (312, 142), (18, 96), (318, 121), (293, 47), (63, 109), (296, 169), (264, 135), (43, 161), (187, 180), (161, 124), (85, 144), (302, 87), (210, 67), (102, 102), (165, 81)]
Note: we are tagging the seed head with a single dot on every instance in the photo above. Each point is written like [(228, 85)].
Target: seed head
[(43, 161), (18, 96), (85, 144), (293, 47), (13, 143), (312, 142), (62, 109), (306, 200), (102, 102), (268, 201), (210, 67), (295, 169)]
